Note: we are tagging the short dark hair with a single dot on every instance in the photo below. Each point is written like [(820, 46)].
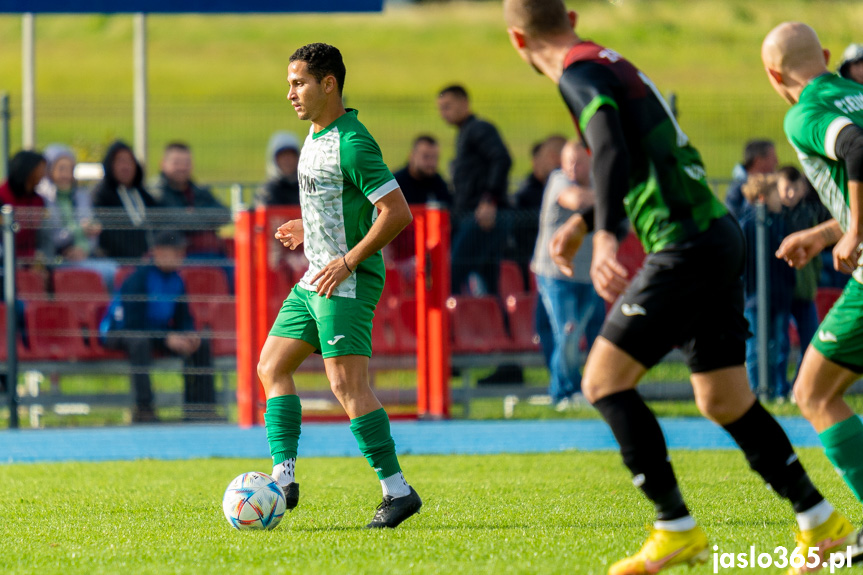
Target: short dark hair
[(538, 17), (456, 90), (756, 149), (534, 150), (790, 173), (424, 139), (178, 146), (323, 60)]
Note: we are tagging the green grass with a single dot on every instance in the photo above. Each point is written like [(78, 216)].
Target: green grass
[(556, 513), (218, 81)]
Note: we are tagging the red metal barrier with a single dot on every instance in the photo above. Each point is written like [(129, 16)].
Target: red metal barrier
[(256, 257), (432, 291)]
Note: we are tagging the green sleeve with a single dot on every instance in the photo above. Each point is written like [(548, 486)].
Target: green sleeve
[(813, 130), (363, 165)]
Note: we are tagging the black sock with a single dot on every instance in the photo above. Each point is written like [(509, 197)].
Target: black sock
[(770, 454), (642, 446)]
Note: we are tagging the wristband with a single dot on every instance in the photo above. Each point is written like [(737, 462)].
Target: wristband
[(344, 261)]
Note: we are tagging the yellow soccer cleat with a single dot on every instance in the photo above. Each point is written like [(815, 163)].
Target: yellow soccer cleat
[(664, 549), (835, 534)]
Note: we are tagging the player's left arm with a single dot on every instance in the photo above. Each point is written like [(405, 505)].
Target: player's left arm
[(849, 148), (393, 216)]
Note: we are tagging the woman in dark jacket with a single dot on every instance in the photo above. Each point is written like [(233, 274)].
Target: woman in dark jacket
[(121, 203)]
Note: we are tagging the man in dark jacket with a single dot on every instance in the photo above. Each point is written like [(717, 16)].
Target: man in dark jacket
[(198, 211), (151, 315), (480, 170)]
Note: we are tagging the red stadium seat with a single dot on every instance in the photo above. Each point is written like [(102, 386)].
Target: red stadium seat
[(81, 288), (30, 284), (825, 297), (477, 325), (385, 328), (520, 309), (510, 280), (204, 281), (407, 318), (222, 322), (54, 332), (97, 351), (23, 352)]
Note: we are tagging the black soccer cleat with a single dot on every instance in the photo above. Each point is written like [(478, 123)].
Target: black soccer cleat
[(393, 510), (292, 495)]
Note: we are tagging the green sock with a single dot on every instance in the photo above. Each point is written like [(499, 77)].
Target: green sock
[(843, 444), (372, 431), (283, 417)]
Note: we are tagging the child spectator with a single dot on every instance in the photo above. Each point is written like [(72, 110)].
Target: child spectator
[(762, 189), (283, 158), (151, 315)]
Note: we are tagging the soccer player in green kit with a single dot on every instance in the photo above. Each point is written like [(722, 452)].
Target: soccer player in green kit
[(688, 294), (351, 208), (825, 127)]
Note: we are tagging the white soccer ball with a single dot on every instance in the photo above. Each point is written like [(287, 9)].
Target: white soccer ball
[(253, 501)]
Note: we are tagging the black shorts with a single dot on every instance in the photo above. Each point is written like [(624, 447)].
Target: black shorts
[(690, 296)]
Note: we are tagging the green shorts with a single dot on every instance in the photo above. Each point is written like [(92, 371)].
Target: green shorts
[(336, 326), (840, 335)]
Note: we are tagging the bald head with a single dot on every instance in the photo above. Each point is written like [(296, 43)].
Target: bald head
[(537, 17), (792, 55)]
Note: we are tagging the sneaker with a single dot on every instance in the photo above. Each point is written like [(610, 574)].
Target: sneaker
[(292, 495), (835, 534), (665, 549), (394, 510)]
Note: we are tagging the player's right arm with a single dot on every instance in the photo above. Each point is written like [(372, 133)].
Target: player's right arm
[(588, 92)]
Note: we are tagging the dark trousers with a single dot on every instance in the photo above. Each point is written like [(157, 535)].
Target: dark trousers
[(475, 250), (197, 369)]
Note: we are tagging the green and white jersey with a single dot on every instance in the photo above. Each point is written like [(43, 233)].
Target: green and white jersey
[(342, 175), (826, 105)]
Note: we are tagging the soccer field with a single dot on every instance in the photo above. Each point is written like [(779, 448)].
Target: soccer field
[(568, 512)]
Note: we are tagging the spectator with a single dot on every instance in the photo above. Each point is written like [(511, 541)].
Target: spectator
[(420, 180), (851, 66), (480, 170), (759, 157), (200, 213), (421, 183), (573, 306), (545, 158), (761, 188), (150, 315), (71, 230), (283, 159), (802, 210), (26, 170), (121, 203)]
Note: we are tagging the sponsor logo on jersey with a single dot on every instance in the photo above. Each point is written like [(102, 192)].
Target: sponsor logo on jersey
[(630, 310), (848, 104), (827, 336), (335, 340)]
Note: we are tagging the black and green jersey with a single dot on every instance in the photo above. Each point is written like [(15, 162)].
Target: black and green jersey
[(667, 198), (828, 104)]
